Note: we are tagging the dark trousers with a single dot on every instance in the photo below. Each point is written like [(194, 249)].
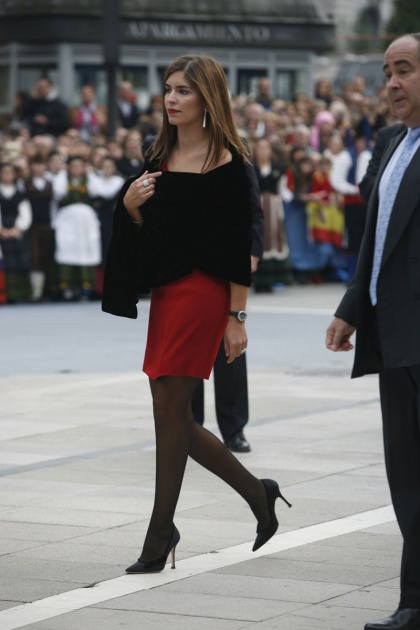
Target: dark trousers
[(400, 402), (41, 242), (230, 393)]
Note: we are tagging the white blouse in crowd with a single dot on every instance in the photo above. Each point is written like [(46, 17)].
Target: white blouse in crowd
[(341, 166), (286, 194), (24, 217), (104, 187), (97, 185), (60, 185)]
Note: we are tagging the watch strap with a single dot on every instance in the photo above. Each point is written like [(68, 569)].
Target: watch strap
[(240, 315)]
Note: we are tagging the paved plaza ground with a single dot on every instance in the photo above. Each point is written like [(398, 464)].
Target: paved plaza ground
[(77, 481)]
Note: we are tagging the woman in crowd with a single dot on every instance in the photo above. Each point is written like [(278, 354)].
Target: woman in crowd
[(131, 162), (296, 187), (90, 118), (271, 269), (325, 219), (15, 220), (348, 169), (184, 229), (322, 130), (324, 91)]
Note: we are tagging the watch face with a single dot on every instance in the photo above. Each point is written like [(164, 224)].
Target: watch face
[(242, 316)]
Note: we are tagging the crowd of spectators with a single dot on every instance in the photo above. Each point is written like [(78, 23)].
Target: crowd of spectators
[(60, 175)]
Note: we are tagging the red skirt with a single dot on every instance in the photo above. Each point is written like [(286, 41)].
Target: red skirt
[(187, 322)]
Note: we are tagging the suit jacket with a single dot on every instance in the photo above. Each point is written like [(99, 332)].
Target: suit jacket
[(398, 289), (54, 109), (131, 119), (384, 136)]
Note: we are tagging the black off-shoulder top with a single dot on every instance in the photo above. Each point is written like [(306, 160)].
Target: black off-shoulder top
[(193, 221)]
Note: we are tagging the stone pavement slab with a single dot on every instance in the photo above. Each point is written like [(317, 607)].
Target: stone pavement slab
[(112, 619), (77, 479)]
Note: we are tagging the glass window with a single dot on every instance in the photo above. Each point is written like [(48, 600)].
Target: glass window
[(289, 83), (285, 84), (139, 78), (301, 84), (247, 84), (160, 74), (4, 85), (29, 75), (95, 75)]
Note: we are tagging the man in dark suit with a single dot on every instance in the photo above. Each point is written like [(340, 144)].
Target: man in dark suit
[(45, 113), (230, 379), (128, 112), (383, 303)]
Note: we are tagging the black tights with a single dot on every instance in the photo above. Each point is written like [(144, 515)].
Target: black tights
[(177, 436)]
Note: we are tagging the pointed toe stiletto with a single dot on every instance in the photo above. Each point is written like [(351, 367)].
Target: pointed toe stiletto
[(154, 566), (273, 492)]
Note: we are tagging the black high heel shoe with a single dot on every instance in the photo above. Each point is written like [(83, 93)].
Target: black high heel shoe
[(273, 492), (154, 566)]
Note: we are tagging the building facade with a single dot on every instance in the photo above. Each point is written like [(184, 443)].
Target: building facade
[(65, 40), (347, 15)]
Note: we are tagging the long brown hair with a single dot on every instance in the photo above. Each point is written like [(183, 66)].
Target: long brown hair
[(207, 76)]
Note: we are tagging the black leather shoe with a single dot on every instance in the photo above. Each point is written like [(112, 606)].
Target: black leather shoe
[(401, 619), (238, 443)]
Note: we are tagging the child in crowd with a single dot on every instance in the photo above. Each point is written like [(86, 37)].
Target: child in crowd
[(56, 164), (78, 239), (38, 190), (326, 223), (15, 220), (296, 191)]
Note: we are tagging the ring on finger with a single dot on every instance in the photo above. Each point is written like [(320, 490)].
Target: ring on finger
[(243, 350), (146, 183)]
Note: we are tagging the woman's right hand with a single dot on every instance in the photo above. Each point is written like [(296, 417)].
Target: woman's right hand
[(9, 233), (139, 192)]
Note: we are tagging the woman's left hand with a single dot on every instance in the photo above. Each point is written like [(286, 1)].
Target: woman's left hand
[(235, 340)]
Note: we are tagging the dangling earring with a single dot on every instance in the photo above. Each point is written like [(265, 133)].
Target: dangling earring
[(204, 119)]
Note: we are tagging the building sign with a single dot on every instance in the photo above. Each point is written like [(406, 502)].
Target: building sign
[(198, 32), (304, 34)]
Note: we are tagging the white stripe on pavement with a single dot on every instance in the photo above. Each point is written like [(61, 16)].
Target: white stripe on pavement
[(26, 614), (290, 310)]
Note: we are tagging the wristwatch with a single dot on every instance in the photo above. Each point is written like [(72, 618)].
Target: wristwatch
[(240, 315)]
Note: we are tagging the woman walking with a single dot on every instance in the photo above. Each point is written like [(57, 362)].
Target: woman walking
[(183, 229)]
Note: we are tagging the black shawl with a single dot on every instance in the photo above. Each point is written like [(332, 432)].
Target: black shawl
[(193, 221)]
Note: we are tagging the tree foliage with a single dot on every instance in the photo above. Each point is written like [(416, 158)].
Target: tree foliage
[(366, 29), (405, 18)]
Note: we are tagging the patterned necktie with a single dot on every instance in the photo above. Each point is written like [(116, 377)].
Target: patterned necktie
[(390, 193)]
